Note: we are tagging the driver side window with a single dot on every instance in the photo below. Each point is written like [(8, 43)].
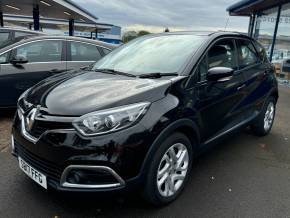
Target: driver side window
[(221, 54), (41, 51), (4, 58)]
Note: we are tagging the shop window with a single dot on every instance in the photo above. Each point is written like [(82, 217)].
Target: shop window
[(265, 27), (281, 51)]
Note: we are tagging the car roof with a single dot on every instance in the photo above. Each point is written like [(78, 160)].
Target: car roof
[(44, 37), (204, 33)]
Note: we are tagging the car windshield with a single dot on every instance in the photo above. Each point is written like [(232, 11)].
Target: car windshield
[(158, 54)]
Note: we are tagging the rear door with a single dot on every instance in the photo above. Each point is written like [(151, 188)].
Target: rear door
[(255, 68), (45, 58), (81, 54), (218, 103)]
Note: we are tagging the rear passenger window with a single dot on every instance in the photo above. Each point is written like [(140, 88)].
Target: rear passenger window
[(84, 52), (261, 52), (41, 51), (106, 51), (246, 53)]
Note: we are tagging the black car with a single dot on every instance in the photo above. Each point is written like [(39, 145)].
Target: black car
[(140, 115), (26, 61)]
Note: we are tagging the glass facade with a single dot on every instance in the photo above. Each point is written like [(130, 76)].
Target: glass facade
[(272, 30), (265, 28)]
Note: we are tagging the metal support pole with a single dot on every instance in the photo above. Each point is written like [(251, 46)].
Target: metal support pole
[(275, 32), (96, 33), (71, 27), (1, 19), (36, 17), (252, 24)]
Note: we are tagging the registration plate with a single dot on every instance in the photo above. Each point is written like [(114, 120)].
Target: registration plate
[(34, 174)]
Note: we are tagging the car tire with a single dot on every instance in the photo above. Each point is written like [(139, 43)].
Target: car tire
[(174, 167), (262, 125)]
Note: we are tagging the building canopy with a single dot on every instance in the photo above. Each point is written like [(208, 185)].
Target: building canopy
[(60, 9), (248, 7)]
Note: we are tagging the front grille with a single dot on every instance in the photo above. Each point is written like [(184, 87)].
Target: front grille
[(50, 169), (39, 127)]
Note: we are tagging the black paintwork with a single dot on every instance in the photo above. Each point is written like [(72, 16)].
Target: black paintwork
[(15, 79), (204, 111)]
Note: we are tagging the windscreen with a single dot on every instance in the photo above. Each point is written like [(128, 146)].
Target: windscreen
[(152, 54)]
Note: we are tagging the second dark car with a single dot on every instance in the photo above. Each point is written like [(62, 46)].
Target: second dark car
[(26, 61), (141, 114)]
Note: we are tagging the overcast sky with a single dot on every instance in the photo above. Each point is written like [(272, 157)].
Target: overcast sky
[(155, 15)]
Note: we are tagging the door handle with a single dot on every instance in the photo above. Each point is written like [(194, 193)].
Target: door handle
[(241, 87)]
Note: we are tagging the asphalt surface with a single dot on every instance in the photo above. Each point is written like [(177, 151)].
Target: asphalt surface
[(244, 176)]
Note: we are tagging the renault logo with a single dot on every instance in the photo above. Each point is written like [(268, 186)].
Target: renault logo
[(30, 118)]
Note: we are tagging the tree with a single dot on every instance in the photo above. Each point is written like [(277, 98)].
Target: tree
[(130, 35), (166, 30), (143, 33)]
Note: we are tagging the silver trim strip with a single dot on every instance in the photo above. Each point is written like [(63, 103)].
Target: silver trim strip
[(232, 128), (57, 39), (29, 42), (25, 133), (66, 171)]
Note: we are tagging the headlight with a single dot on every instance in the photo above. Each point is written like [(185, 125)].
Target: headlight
[(110, 120)]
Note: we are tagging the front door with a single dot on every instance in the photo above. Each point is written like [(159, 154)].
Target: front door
[(44, 59), (218, 103)]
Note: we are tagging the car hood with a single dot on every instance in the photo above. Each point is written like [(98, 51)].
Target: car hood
[(80, 92)]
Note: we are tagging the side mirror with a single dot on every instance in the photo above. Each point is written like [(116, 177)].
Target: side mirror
[(19, 60), (220, 74)]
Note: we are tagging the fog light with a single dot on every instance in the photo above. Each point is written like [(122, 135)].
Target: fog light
[(75, 177)]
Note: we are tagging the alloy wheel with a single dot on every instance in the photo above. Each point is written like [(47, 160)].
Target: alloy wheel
[(172, 170)]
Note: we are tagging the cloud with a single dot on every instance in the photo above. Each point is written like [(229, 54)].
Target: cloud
[(155, 15)]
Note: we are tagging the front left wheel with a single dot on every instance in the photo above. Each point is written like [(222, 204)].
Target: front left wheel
[(169, 170)]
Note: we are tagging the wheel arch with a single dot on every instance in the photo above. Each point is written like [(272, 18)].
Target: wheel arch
[(185, 126)]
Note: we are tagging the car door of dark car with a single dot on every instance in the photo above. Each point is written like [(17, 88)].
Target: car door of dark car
[(81, 54), (218, 103), (45, 58), (255, 67)]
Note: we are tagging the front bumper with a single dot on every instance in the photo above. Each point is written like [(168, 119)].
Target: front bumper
[(56, 153)]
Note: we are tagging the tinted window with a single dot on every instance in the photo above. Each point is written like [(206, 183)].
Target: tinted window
[(261, 52), (84, 52), (202, 69), (162, 54), (4, 58), (106, 51), (21, 34), (41, 51), (246, 53), (221, 54), (4, 36)]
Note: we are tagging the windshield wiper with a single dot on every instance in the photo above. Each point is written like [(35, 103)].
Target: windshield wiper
[(157, 75), (115, 72)]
